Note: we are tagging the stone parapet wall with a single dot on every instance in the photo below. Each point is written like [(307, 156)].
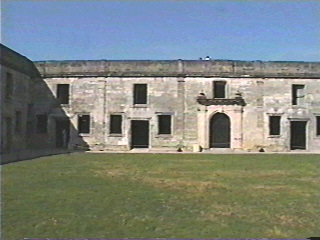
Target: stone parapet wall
[(17, 62), (176, 68)]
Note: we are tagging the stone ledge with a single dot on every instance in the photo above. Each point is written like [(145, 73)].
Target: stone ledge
[(179, 68)]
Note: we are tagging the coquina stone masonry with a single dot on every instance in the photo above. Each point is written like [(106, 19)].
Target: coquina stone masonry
[(266, 106)]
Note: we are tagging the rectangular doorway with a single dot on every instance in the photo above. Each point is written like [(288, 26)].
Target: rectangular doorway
[(62, 133), (298, 135), (139, 134)]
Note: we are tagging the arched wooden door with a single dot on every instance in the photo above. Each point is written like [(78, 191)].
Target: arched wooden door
[(220, 131)]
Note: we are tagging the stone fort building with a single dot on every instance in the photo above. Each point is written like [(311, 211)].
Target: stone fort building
[(170, 105)]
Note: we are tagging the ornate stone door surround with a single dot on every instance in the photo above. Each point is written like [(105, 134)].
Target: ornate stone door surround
[(233, 108), (235, 114)]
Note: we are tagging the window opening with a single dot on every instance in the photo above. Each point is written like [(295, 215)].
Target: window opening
[(63, 93), (298, 94), (9, 86), (164, 124), (83, 123), (18, 122), (140, 94), (42, 122), (274, 125), (116, 124), (219, 89)]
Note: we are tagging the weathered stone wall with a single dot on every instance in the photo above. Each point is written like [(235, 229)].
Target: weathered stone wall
[(18, 102), (101, 88), (102, 96), (266, 88), (29, 95), (87, 96), (22, 72)]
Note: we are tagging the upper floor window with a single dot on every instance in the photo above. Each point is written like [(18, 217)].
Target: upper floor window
[(84, 123), (116, 124), (63, 93), (42, 122), (274, 125), (298, 94), (219, 89), (318, 125), (164, 124), (8, 86), (140, 94)]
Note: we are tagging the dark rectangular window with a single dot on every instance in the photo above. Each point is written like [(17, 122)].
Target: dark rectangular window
[(318, 125), (42, 122), (140, 94), (63, 93), (116, 124), (83, 123), (8, 86), (274, 125), (30, 128), (30, 109), (18, 122), (219, 89), (164, 124), (297, 94)]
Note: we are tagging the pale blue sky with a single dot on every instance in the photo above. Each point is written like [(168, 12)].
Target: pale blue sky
[(236, 30)]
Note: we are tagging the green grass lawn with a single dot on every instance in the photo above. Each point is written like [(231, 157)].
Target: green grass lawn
[(162, 196)]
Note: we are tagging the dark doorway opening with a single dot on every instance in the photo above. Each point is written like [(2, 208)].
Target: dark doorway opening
[(139, 134), (298, 135), (220, 131), (62, 133)]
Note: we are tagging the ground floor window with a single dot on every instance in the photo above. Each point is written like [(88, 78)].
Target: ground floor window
[(115, 124), (84, 123), (42, 122), (274, 125), (164, 124)]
